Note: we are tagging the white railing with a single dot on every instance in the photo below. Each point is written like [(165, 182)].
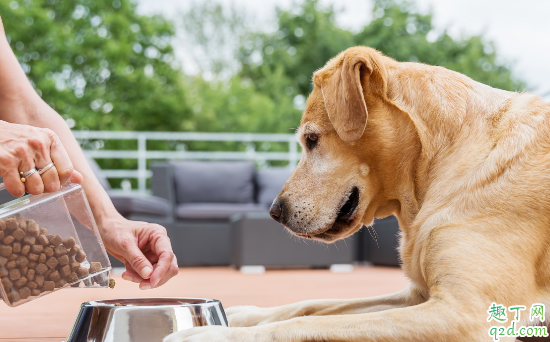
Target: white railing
[(143, 155)]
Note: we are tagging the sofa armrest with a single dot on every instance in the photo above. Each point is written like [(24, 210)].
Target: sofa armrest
[(162, 183)]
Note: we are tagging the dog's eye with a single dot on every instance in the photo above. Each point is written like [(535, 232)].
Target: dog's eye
[(311, 140)]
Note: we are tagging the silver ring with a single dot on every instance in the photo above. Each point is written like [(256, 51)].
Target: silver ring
[(45, 168), (28, 173)]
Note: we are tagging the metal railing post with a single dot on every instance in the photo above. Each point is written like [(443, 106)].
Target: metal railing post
[(142, 163)]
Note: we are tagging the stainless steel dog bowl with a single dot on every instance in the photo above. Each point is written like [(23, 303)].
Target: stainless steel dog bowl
[(143, 319)]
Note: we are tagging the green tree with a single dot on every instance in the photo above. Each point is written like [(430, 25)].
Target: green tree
[(98, 62), (276, 67), (307, 38)]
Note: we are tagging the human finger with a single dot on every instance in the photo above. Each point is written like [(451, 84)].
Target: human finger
[(12, 182), (60, 158)]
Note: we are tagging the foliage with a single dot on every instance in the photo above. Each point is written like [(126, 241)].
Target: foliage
[(309, 37), (98, 62)]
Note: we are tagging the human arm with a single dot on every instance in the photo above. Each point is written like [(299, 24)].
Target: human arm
[(144, 247)]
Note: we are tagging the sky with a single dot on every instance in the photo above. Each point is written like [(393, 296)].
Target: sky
[(519, 29)]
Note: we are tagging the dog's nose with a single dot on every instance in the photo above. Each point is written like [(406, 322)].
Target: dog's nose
[(276, 211)]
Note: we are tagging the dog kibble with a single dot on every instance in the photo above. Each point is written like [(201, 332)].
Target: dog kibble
[(25, 250), (48, 251), (22, 261), (32, 257), (71, 278), (19, 234), (56, 240), (60, 251), (6, 282), (8, 240), (95, 267), (52, 262), (74, 250), (48, 286), (13, 296), (29, 240), (24, 292), (82, 272), (63, 260), (65, 271), (33, 262), (55, 276), (17, 247), (22, 223), (112, 283), (39, 280), (74, 266), (80, 256), (33, 229), (41, 269), (11, 224), (20, 282), (15, 274), (47, 274), (69, 242), (43, 240)]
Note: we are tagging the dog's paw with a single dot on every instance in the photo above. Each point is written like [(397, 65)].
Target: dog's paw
[(248, 316), (207, 334)]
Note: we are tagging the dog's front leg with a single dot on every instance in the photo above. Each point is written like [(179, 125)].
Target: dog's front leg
[(436, 320), (247, 316)]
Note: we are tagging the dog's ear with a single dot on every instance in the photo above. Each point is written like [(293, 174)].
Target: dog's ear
[(344, 97)]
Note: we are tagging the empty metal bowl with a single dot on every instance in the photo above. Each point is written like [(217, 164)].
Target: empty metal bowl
[(143, 319)]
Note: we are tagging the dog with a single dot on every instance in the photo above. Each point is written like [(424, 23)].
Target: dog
[(466, 170)]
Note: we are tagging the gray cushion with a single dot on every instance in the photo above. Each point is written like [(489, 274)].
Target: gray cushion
[(215, 211), (98, 173), (140, 204), (214, 182), (270, 182)]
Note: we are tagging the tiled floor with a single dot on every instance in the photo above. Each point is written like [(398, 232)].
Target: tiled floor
[(50, 318)]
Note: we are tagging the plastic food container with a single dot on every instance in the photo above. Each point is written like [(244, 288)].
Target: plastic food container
[(49, 242)]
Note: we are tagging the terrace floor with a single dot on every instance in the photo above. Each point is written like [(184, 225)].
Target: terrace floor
[(50, 318)]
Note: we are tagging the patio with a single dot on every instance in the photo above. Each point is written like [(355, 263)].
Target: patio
[(50, 318)]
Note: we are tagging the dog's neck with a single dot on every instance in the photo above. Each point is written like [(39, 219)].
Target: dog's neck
[(444, 107)]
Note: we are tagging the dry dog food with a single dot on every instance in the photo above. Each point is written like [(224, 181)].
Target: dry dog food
[(33, 262)]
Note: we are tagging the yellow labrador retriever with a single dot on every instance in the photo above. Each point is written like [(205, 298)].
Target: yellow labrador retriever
[(465, 168)]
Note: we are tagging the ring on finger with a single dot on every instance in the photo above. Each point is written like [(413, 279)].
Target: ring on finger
[(45, 168), (25, 175)]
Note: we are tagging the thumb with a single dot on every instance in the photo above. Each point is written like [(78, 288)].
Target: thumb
[(135, 258)]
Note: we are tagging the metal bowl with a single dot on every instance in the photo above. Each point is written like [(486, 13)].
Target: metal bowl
[(143, 319)]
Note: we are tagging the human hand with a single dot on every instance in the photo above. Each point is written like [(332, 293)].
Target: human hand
[(23, 148), (144, 248)]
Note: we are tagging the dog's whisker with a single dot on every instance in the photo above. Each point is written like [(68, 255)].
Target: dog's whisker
[(373, 236)]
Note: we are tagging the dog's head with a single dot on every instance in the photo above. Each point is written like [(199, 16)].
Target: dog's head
[(348, 134)]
